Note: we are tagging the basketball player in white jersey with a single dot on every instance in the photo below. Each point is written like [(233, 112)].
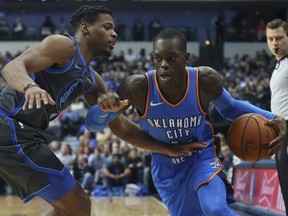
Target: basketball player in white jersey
[(277, 40)]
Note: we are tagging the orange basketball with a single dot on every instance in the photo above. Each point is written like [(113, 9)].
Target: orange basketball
[(248, 137)]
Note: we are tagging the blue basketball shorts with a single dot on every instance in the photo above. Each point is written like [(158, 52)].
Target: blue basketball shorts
[(28, 165), (178, 179)]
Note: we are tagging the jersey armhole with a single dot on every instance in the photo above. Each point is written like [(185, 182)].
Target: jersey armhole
[(147, 97)]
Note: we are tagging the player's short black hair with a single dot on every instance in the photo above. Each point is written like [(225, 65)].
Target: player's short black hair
[(89, 14), (170, 33), (276, 23)]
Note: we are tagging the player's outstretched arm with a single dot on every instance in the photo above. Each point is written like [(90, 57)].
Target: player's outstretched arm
[(131, 133), (134, 90), (97, 120)]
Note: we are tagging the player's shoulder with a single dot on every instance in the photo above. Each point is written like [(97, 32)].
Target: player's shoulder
[(133, 87), (210, 81), (206, 70), (136, 81), (209, 74), (58, 40), (59, 47)]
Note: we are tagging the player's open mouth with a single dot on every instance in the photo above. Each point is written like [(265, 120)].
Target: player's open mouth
[(165, 77)]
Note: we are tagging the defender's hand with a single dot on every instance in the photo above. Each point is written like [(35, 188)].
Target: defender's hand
[(34, 95), (111, 102)]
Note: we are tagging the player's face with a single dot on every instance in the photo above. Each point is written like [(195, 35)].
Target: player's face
[(170, 61), (277, 41), (102, 37)]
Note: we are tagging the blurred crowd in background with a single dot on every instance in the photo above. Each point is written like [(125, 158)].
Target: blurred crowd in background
[(92, 157)]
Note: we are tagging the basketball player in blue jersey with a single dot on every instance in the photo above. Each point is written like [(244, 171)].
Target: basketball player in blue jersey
[(277, 41), (172, 102), (42, 82)]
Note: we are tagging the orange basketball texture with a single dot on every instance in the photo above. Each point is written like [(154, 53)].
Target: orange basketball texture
[(248, 137)]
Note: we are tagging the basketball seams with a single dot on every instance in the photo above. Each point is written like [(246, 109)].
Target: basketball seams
[(242, 137), (260, 136)]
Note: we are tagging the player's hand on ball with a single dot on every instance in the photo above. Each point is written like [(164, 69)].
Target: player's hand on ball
[(186, 149), (279, 126)]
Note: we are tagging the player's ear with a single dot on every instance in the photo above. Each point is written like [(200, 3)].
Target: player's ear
[(84, 28)]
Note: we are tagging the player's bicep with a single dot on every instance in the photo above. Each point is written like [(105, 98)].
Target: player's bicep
[(34, 60), (51, 51)]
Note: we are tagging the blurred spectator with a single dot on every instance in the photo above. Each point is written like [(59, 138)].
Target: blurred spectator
[(261, 30), (116, 174), (47, 27), (120, 30), (135, 164), (115, 149), (4, 28), (85, 148), (70, 122), (154, 28), (138, 30), (147, 176), (228, 160), (130, 59), (55, 146), (66, 155), (219, 29), (82, 172), (18, 30), (89, 137), (97, 162), (62, 28)]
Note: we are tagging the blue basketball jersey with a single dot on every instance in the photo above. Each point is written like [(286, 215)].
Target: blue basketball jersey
[(181, 181), (183, 122)]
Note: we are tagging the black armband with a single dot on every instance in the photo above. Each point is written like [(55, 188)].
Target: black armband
[(29, 85)]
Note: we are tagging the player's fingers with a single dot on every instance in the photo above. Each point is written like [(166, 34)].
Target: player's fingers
[(186, 153), (273, 150), (38, 101), (25, 105), (198, 145), (124, 103), (110, 103), (47, 99), (274, 145), (115, 105), (31, 101)]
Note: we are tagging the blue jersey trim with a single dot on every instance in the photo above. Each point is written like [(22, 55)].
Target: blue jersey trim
[(31, 196), (58, 188), (93, 79), (24, 156), (78, 50), (12, 131), (36, 167)]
